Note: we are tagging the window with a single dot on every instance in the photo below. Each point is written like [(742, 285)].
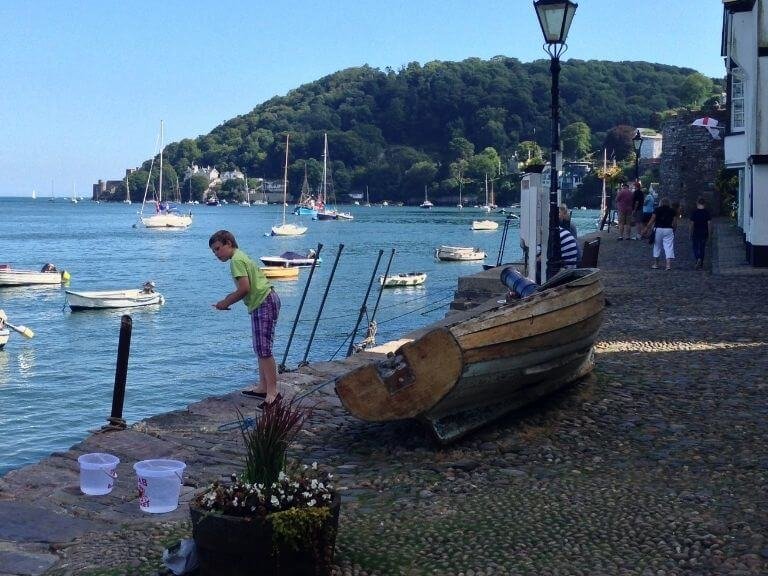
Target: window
[(737, 100)]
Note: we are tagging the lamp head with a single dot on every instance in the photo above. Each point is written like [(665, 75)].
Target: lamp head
[(555, 18), (637, 141)]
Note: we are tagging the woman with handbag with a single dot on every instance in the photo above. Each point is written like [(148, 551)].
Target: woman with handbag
[(661, 225)]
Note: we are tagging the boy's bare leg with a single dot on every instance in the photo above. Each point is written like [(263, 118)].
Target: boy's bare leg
[(268, 377)]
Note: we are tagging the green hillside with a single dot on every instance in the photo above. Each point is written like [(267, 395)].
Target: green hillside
[(397, 131)]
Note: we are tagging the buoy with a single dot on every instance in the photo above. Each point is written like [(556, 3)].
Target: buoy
[(65, 276)]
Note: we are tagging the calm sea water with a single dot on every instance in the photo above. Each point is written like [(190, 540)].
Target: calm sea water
[(57, 386)]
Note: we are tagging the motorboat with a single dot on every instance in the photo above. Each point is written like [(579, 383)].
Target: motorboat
[(459, 254), (403, 279), (291, 259), (47, 275), (484, 225), (476, 365), (4, 335), (106, 299)]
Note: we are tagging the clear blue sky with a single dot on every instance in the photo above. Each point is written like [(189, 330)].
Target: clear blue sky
[(84, 83)]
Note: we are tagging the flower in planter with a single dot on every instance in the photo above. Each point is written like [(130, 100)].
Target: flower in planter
[(278, 508)]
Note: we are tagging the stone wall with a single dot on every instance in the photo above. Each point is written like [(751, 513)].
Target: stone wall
[(690, 161)]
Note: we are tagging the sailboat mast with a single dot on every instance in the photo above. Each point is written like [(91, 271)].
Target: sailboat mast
[(285, 177), (160, 193), (325, 168)]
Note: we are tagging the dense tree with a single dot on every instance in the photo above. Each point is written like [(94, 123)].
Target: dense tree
[(695, 88), (576, 139), (386, 126)]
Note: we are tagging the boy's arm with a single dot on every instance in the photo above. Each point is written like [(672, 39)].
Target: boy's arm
[(242, 287)]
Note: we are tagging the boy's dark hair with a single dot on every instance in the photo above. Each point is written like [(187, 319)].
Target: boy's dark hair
[(224, 237), (701, 201)]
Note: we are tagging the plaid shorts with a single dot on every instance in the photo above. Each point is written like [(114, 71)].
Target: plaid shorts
[(263, 322)]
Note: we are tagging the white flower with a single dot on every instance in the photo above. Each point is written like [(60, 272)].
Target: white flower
[(314, 465), (281, 476), (274, 501), (312, 502)]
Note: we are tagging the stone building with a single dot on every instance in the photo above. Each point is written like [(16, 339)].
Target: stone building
[(690, 161)]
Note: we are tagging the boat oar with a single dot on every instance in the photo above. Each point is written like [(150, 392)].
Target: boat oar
[(23, 330)]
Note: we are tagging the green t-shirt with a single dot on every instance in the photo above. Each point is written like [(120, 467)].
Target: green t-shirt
[(241, 265)]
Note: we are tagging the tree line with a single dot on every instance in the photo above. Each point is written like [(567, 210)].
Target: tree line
[(443, 125)]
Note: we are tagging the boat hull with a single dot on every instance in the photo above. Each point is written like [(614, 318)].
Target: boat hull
[(4, 335), (107, 299), (485, 225), (280, 272), (403, 280), (167, 221), (459, 254), (475, 366), (28, 277), (288, 230)]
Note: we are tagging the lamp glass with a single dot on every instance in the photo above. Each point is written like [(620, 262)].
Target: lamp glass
[(637, 141), (555, 17)]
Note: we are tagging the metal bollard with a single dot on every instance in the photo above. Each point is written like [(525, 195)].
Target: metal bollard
[(121, 373)]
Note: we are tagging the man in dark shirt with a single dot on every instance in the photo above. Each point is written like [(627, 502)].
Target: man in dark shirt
[(638, 197), (701, 229)]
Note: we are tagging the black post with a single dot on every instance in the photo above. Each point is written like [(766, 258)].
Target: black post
[(637, 167), (121, 372), (553, 244)]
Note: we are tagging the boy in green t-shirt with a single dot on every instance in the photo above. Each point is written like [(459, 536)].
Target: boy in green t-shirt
[(253, 288)]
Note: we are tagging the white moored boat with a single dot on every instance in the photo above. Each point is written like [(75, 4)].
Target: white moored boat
[(484, 225), (287, 228), (403, 279), (166, 214), (4, 335), (291, 260), (280, 272), (103, 299), (459, 253), (48, 275)]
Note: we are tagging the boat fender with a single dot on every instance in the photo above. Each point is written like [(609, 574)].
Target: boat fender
[(517, 283), (65, 276)]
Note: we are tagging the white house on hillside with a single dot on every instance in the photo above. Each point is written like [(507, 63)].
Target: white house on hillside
[(745, 49)]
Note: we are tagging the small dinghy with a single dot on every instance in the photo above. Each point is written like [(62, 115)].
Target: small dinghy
[(291, 259), (105, 299), (403, 279), (459, 254), (280, 272), (47, 275)]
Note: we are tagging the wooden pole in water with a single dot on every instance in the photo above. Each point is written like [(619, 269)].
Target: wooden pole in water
[(121, 372)]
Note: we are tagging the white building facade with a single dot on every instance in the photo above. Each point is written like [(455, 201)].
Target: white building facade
[(745, 49)]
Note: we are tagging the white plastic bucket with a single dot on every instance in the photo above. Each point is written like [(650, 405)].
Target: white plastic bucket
[(97, 473), (159, 484)]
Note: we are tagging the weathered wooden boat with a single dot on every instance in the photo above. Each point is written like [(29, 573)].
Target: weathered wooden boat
[(106, 299), (17, 277), (474, 366), (403, 279), (280, 272), (459, 253)]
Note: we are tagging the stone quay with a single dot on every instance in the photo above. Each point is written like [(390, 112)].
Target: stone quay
[(656, 464)]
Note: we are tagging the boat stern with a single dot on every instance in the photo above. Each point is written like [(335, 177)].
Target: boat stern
[(410, 381)]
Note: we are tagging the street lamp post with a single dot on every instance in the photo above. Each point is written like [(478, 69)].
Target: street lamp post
[(555, 18), (637, 142)]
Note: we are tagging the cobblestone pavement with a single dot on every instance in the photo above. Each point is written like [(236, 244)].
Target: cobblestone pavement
[(655, 465)]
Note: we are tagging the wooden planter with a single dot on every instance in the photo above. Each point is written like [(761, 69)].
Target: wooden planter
[(240, 546)]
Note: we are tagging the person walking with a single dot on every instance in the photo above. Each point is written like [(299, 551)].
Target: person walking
[(701, 230), (263, 304), (664, 221), (638, 197), (649, 205), (624, 206)]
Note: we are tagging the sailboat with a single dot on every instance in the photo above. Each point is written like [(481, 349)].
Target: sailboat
[(367, 200), (460, 205), (323, 213), (166, 215), (262, 199), (486, 207), (426, 203), (34, 194), (73, 199), (52, 198), (246, 195), (306, 205), (287, 229)]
